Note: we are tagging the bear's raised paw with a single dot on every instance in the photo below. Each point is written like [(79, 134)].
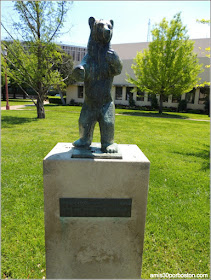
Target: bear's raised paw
[(79, 73)]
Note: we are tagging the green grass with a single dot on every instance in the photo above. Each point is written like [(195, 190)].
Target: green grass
[(177, 224)]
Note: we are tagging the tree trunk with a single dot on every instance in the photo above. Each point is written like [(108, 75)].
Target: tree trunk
[(40, 109), (14, 92), (161, 104), (62, 98)]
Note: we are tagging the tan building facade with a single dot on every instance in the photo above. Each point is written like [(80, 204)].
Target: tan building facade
[(121, 89)]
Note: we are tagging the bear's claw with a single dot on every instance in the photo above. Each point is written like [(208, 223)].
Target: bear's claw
[(110, 148)]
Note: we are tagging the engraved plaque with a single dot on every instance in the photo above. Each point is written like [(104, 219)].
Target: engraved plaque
[(95, 207)]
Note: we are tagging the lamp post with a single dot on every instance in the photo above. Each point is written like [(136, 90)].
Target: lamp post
[(6, 85)]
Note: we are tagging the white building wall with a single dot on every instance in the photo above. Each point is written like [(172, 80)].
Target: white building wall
[(196, 105), (72, 93), (127, 52)]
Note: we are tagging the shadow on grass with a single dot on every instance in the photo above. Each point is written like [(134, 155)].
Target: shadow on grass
[(8, 121), (155, 115), (203, 154)]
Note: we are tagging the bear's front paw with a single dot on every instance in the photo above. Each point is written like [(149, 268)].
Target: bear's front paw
[(112, 148), (115, 64), (79, 73), (110, 56)]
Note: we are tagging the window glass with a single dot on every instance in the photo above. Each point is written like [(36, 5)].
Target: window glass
[(202, 95), (140, 95), (190, 96), (176, 98), (80, 91), (78, 56), (149, 97), (118, 95), (129, 93), (165, 98)]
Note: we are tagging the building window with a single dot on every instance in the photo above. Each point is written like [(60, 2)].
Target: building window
[(73, 55), (165, 98), (149, 97), (80, 91), (83, 54), (190, 96), (176, 98), (78, 56), (140, 95), (129, 94), (118, 95), (203, 94)]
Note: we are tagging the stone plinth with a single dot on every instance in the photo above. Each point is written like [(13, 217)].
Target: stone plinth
[(92, 247)]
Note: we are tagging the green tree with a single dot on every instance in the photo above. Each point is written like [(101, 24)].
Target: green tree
[(33, 60), (205, 86), (4, 71), (3, 68), (65, 68), (168, 66)]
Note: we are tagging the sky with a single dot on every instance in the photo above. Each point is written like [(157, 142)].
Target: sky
[(131, 19)]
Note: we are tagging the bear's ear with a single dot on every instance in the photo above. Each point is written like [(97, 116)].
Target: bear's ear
[(91, 21), (112, 22)]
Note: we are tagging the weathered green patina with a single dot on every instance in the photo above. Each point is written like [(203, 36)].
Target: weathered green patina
[(97, 70)]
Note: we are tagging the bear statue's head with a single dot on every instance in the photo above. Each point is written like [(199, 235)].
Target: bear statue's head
[(101, 30)]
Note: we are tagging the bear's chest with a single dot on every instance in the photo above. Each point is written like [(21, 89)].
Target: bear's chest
[(97, 66)]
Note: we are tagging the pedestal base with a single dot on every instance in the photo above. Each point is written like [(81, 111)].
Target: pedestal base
[(95, 213)]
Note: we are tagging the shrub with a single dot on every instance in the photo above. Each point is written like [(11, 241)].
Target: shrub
[(72, 102), (207, 105), (154, 102), (132, 102), (195, 111), (55, 99), (182, 106)]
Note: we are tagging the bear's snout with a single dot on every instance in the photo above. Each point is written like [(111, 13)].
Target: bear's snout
[(107, 33)]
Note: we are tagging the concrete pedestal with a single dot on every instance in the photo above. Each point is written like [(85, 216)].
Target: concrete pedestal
[(95, 247)]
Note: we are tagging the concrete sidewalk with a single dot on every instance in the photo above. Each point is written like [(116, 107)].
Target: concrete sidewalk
[(18, 107)]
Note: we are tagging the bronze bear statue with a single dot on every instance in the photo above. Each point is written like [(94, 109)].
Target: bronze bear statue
[(97, 70)]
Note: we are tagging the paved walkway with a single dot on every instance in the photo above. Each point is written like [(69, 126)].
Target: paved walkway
[(17, 107)]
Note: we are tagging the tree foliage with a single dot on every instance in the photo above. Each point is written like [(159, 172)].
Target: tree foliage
[(204, 21), (3, 70), (33, 60), (168, 66)]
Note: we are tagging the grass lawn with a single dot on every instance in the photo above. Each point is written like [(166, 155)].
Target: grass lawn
[(13, 102), (177, 230)]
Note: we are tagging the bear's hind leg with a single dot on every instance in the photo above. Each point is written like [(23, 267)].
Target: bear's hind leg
[(106, 123), (86, 128)]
